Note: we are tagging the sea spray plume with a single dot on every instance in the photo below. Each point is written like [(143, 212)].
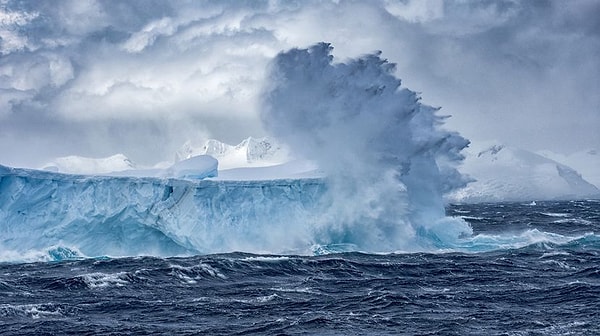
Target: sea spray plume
[(387, 160)]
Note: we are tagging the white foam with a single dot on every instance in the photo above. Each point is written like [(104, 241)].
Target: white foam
[(512, 240), (34, 311), (102, 280), (266, 259), (197, 271), (555, 214)]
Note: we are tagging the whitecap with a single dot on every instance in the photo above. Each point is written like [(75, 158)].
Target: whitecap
[(102, 280)]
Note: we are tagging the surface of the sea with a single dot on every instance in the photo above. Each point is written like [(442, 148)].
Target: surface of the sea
[(541, 288)]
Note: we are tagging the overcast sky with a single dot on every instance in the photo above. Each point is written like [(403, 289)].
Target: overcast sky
[(96, 78)]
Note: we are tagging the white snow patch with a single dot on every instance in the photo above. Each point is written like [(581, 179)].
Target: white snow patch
[(84, 165)]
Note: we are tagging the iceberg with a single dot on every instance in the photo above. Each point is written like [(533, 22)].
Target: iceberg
[(53, 216), (505, 173), (126, 216)]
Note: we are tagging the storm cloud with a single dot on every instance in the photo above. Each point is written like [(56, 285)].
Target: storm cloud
[(96, 78)]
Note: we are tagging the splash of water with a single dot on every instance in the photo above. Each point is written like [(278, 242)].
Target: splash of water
[(387, 159)]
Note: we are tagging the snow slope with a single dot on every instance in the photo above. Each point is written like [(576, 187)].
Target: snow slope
[(504, 173), (194, 167), (83, 165), (297, 169), (586, 162)]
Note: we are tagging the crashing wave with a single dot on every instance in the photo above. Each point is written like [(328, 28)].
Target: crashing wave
[(387, 159)]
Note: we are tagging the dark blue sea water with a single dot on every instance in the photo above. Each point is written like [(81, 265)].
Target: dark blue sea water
[(547, 287)]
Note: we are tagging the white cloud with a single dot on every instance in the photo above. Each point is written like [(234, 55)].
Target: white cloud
[(146, 37), (11, 39), (416, 11)]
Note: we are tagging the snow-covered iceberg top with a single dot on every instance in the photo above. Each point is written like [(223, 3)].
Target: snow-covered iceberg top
[(252, 159), (89, 166), (195, 167)]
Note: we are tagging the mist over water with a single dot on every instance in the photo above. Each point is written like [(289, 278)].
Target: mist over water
[(387, 159)]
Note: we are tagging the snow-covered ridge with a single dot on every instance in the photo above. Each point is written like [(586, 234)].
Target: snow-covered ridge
[(504, 173), (251, 152)]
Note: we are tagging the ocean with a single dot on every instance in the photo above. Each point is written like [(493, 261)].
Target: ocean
[(542, 287)]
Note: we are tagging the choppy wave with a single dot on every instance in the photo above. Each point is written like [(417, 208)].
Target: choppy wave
[(548, 288), (540, 276)]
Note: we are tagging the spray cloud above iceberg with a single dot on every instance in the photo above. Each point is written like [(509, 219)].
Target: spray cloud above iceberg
[(384, 153)]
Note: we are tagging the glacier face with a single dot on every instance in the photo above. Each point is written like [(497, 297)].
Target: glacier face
[(124, 216)]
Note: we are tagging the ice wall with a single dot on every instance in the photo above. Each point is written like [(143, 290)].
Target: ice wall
[(387, 159), (41, 212)]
